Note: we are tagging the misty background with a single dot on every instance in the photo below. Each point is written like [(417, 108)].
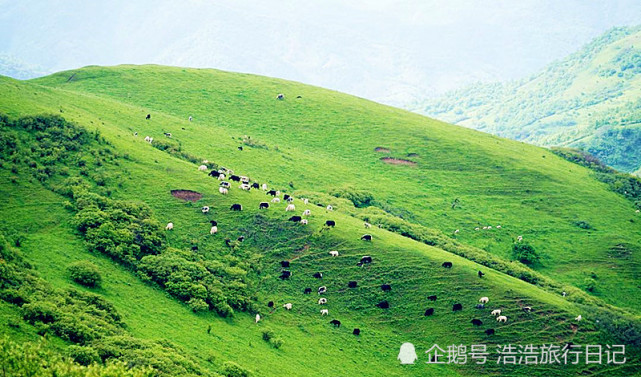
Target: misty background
[(395, 52)]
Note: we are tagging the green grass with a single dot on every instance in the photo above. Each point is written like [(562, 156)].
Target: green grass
[(322, 141)]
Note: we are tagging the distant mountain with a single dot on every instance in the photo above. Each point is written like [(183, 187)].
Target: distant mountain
[(589, 100), (393, 52)]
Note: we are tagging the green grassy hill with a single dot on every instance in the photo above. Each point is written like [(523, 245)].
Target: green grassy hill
[(588, 100), (330, 148)]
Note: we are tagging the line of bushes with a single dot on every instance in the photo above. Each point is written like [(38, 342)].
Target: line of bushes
[(625, 184)]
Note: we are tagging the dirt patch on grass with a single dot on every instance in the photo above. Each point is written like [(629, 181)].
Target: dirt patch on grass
[(188, 195), (381, 150), (397, 161)]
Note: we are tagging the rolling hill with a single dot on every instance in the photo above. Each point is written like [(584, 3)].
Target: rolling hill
[(588, 100), (94, 190)]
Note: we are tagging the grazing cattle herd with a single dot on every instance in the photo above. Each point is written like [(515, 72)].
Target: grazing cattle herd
[(285, 274)]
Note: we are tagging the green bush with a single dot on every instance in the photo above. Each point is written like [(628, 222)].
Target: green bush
[(198, 305), (231, 369), (524, 253), (360, 198), (85, 273), (83, 355)]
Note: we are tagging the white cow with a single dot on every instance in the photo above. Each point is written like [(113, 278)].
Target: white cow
[(484, 300), (148, 139), (306, 202), (169, 226), (519, 238), (324, 312), (456, 231), (322, 289), (322, 301), (202, 168), (245, 187), (264, 186), (578, 318), (367, 225), (276, 200), (307, 212), (496, 312), (213, 230), (498, 227), (290, 207), (244, 179), (304, 222), (333, 253), (477, 228), (221, 177), (190, 118), (223, 190), (330, 208), (205, 209), (501, 318), (257, 318), (288, 306)]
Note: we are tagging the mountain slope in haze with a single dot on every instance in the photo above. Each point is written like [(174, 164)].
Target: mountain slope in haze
[(415, 177), (589, 100), (388, 51)]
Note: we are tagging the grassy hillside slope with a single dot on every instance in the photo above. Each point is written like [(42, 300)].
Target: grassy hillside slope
[(304, 157), (325, 141), (588, 100)]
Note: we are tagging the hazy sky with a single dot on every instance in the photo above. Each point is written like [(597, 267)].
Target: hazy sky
[(389, 51)]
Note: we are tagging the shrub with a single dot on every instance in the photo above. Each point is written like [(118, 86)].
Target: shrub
[(360, 198), (524, 253), (268, 335), (85, 273), (589, 284), (231, 369), (83, 355), (277, 342), (198, 305), (583, 224)]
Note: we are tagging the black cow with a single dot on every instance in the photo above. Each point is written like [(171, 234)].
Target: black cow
[(214, 173), (335, 322), (286, 197), (432, 298), (285, 274), (225, 184), (284, 263), (270, 304), (356, 331), (383, 305), (366, 259), (213, 222), (352, 284), (481, 274), (447, 264), (290, 199), (429, 312), (366, 237), (241, 238), (271, 192), (457, 307), (307, 291), (330, 223), (386, 287), (318, 275), (235, 178), (480, 306), (489, 331), (194, 248), (295, 219), (263, 205), (227, 242), (255, 185), (476, 322), (240, 148), (148, 116), (236, 207)]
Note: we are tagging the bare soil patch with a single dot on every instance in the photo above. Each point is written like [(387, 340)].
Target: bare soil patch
[(381, 150), (397, 161), (188, 195)]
